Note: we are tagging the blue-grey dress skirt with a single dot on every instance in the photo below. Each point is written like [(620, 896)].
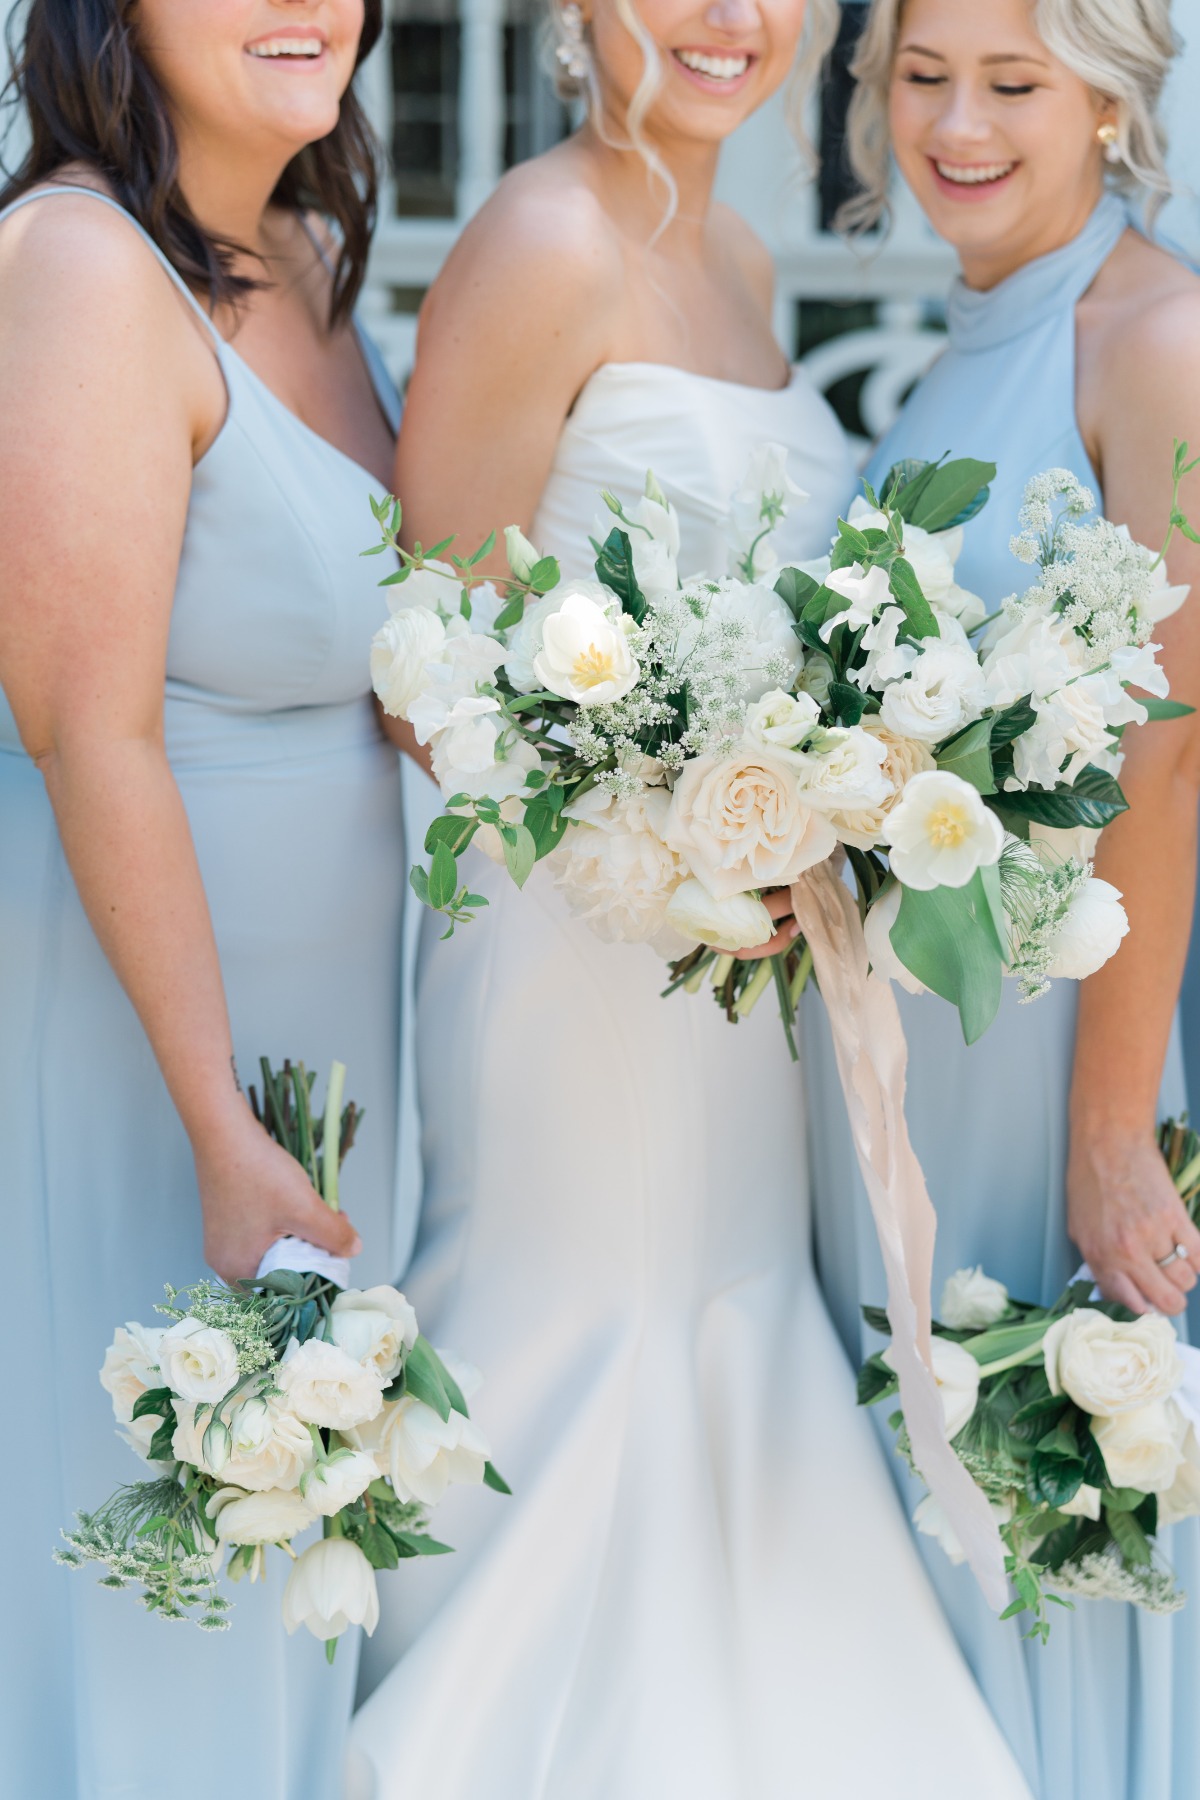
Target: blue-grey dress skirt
[(1109, 1710), (294, 804)]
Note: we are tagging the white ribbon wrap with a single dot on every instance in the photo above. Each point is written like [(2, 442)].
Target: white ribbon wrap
[(872, 1058), (306, 1259)]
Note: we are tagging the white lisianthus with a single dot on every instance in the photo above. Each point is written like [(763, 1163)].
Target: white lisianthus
[(741, 821), (324, 1386), (421, 1453), (782, 720), (273, 1516), (401, 651), (736, 922), (868, 592), (940, 832), (199, 1362), (843, 770), (1110, 1366), (877, 930), (130, 1369), (520, 553), (957, 1375), (585, 655), (375, 1326), (942, 693), (269, 1450), (330, 1588), (616, 870), (1143, 1448), (338, 1481), (1090, 934), (971, 1300), (903, 758), (1085, 1504)]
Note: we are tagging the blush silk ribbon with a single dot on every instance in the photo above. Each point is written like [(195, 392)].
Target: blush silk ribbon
[(872, 1058)]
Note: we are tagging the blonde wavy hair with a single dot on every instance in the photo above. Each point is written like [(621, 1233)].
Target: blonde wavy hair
[(1123, 49), (820, 30)]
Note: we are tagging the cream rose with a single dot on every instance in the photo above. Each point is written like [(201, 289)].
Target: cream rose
[(1182, 1499), (130, 1369), (1143, 1448), (324, 1386), (903, 758), (1112, 1366), (330, 1588), (375, 1326), (971, 1301), (740, 821), (421, 1453), (271, 1449), (199, 1362), (274, 1516)]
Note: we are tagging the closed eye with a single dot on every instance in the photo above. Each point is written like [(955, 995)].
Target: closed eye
[(1025, 88), (919, 80)]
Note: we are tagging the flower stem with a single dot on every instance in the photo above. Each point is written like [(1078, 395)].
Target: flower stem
[(331, 1136)]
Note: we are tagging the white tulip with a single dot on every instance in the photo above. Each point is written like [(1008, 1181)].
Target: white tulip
[(199, 1362), (585, 655), (375, 1326), (401, 651), (971, 1301), (1111, 1366), (130, 1369), (520, 552), (1091, 932), (324, 1386), (330, 1588), (338, 1481), (742, 821), (877, 930), (940, 832), (273, 1516), (736, 922), (1143, 1448), (957, 1375), (421, 1453)]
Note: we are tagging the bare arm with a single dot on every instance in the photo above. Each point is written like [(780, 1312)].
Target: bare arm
[(104, 394), (1123, 1210)]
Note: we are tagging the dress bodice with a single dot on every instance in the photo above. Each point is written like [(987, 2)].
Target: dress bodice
[(1003, 390), (697, 434)]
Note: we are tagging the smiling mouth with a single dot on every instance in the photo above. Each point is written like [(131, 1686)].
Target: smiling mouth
[(714, 68), (973, 174), (296, 48)]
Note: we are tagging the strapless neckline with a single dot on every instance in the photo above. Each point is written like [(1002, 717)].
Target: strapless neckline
[(609, 370)]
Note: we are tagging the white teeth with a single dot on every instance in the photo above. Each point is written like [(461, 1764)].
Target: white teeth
[(717, 68), (287, 47), (970, 175)]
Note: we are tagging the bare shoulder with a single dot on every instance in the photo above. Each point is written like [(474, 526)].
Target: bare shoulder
[(1147, 321), (746, 250)]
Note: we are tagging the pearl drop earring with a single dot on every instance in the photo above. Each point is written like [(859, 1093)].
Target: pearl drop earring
[(1107, 135)]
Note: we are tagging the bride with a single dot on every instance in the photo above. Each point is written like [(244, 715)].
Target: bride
[(702, 1584)]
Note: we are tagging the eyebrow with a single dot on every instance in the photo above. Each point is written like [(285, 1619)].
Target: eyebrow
[(1010, 57)]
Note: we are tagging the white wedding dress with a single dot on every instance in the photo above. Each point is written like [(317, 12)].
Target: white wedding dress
[(702, 1585)]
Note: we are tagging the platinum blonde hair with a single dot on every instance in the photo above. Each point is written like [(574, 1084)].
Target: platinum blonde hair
[(1123, 49), (820, 29)]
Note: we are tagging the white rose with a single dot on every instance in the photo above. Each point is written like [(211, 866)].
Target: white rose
[(421, 1453), (1085, 1504), (740, 821), (130, 1369), (1143, 1449), (942, 693), (957, 1375), (877, 930), (971, 1300), (868, 592), (269, 1450), (1091, 932), (274, 1516), (585, 655), (520, 552), (736, 922), (401, 651), (375, 1326), (766, 634), (338, 1481), (782, 720), (940, 832), (616, 870), (199, 1362), (903, 758), (843, 770), (324, 1386), (330, 1588), (1111, 1366)]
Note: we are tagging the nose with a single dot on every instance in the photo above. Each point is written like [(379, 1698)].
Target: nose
[(733, 16), (963, 120)]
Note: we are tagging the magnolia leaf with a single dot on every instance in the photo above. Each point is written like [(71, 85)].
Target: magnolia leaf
[(953, 493), (1131, 1540), (796, 589), (614, 567), (906, 590), (1094, 800), (847, 701), (948, 938), (162, 1443), (1164, 709), (905, 482), (154, 1403), (969, 756), (1012, 721)]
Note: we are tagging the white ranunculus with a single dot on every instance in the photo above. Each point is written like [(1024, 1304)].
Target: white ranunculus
[(616, 870), (1085, 1504), (1090, 934), (330, 1588), (520, 552), (971, 1300), (957, 1375), (199, 1362), (1112, 1366), (737, 922), (942, 693), (766, 634), (940, 832), (867, 591), (741, 821), (782, 720), (273, 1516), (401, 651), (843, 771), (130, 1369), (1143, 1448), (338, 1481), (466, 661), (421, 1453), (375, 1326), (903, 758), (270, 1451), (324, 1386), (877, 930), (585, 655)]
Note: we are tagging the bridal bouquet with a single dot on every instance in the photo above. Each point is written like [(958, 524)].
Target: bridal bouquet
[(678, 747), (1080, 1422), (267, 1409)]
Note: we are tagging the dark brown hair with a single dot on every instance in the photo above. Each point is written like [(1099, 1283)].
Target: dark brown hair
[(89, 96)]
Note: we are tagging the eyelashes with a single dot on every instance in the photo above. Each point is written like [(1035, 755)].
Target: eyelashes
[(1007, 91)]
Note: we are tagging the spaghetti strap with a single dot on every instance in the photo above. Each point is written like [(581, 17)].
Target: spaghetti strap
[(43, 193)]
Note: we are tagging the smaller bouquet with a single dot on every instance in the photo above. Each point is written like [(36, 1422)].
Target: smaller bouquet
[(269, 1408), (1080, 1422)]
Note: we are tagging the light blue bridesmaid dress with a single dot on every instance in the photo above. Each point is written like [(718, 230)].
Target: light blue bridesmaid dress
[(294, 804), (1108, 1710)]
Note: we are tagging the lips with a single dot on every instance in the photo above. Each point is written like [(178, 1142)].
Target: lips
[(714, 67), (292, 46), (973, 174)]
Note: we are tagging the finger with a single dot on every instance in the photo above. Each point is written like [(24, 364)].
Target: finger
[(1156, 1285), (779, 903), (774, 946), (1181, 1274), (1117, 1286), (328, 1230)]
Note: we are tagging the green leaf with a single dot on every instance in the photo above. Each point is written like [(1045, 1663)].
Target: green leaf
[(847, 701), (443, 877), (418, 881), (850, 546), (378, 1547), (876, 1318), (485, 549), (969, 756), (1010, 1612), (796, 589), (953, 494), (455, 833), (906, 589), (511, 613), (545, 823), (948, 938), (419, 1543), (614, 567), (453, 1392), (544, 575), (1012, 721), (494, 1479), (1164, 709), (161, 1443), (154, 1402), (423, 1379), (520, 851), (905, 482), (876, 1382), (1094, 800), (1131, 1540), (1055, 1479)]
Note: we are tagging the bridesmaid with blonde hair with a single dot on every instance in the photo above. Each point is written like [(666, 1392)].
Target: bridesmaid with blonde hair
[(1030, 135)]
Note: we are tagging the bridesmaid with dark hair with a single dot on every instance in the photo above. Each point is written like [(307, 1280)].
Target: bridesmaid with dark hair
[(200, 821)]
